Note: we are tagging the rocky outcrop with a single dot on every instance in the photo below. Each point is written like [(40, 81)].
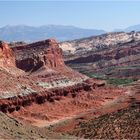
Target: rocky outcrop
[(43, 53), (97, 43), (114, 54), (12, 104), (7, 58), (122, 61), (111, 57), (44, 60)]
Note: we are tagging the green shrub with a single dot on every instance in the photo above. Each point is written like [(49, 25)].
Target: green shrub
[(119, 81)]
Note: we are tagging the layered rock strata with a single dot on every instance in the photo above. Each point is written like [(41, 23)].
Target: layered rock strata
[(31, 57)]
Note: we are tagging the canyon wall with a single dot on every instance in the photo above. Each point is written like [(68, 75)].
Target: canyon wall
[(31, 57), (117, 54)]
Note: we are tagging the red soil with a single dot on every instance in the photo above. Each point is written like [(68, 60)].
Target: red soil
[(67, 106)]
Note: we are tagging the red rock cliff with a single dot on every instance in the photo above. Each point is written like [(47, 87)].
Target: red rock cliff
[(43, 53), (6, 55)]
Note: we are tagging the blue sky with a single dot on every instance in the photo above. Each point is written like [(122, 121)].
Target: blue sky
[(107, 15)]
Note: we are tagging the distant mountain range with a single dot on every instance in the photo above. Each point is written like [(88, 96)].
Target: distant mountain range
[(133, 28), (129, 29), (59, 32)]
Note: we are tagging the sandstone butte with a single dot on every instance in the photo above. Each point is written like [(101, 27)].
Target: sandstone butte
[(35, 74)]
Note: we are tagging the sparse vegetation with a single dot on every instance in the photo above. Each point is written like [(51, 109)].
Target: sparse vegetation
[(110, 80), (122, 124), (120, 81)]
